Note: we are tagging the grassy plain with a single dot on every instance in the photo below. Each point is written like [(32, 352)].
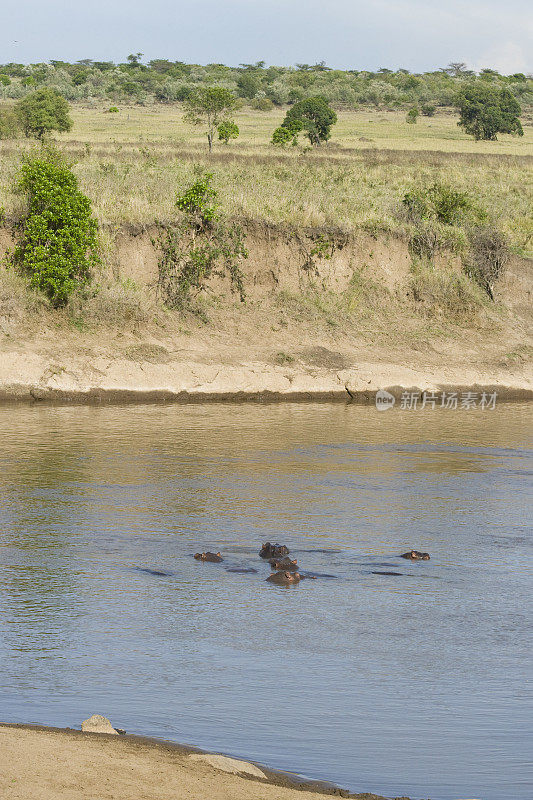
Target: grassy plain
[(132, 163)]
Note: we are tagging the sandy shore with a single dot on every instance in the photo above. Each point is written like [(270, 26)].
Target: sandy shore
[(39, 763), (70, 377)]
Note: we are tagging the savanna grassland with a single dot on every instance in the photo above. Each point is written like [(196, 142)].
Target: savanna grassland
[(372, 303), (132, 163)]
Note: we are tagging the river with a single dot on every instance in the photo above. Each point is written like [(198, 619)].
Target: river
[(412, 684)]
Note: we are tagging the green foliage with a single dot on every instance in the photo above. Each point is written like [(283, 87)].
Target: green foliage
[(210, 105), (42, 112), (441, 203), (198, 248), (164, 80), (227, 130), (412, 115), (199, 201), (5, 80), (248, 85), (112, 110), (486, 110), (9, 123), (283, 136), (314, 116), (262, 104), (58, 244), (428, 109)]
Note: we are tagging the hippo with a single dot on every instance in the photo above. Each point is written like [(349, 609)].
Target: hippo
[(414, 555), (284, 578), (284, 564), (214, 558), (273, 550)]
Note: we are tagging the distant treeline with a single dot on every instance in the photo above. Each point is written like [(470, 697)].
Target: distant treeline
[(260, 86)]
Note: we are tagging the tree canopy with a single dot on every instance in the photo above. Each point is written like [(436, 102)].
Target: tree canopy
[(312, 115), (486, 110), (42, 112)]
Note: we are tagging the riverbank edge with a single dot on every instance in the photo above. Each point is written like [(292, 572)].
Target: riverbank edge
[(285, 780), (38, 395)]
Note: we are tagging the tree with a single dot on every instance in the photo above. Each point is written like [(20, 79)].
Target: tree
[(43, 111), (457, 69), (210, 105), (486, 111), (227, 130), (314, 116), (248, 85)]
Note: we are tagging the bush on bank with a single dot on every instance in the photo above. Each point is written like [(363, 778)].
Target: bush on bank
[(57, 248)]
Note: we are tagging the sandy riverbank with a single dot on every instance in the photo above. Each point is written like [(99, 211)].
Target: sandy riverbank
[(101, 372), (39, 763)]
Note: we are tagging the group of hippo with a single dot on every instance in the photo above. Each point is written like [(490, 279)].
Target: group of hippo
[(285, 570)]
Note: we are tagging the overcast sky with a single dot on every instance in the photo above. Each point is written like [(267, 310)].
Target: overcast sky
[(348, 34)]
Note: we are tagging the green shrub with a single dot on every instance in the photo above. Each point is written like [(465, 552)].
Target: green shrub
[(443, 292), (4, 80), (442, 203), (227, 130), (183, 93), (199, 247), (42, 112), (58, 245), (9, 123), (287, 133), (262, 104), (428, 109), (198, 201), (112, 110), (412, 116)]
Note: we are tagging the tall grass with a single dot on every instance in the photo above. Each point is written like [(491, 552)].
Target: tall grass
[(132, 164)]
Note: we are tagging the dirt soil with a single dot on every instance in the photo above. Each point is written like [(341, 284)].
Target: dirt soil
[(293, 338)]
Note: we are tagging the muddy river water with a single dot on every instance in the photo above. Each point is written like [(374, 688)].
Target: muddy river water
[(415, 683)]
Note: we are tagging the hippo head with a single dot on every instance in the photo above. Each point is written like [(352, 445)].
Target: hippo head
[(292, 577)]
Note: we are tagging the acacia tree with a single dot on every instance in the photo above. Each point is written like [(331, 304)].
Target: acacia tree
[(486, 111), (210, 106), (312, 115), (43, 111)]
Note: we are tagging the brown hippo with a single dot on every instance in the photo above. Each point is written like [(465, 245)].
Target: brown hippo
[(214, 558), (273, 550), (284, 578), (284, 563), (414, 555)]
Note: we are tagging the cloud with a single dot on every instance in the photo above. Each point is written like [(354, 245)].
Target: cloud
[(506, 58), (416, 34)]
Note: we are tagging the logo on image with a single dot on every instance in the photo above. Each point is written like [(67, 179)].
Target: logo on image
[(384, 400)]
